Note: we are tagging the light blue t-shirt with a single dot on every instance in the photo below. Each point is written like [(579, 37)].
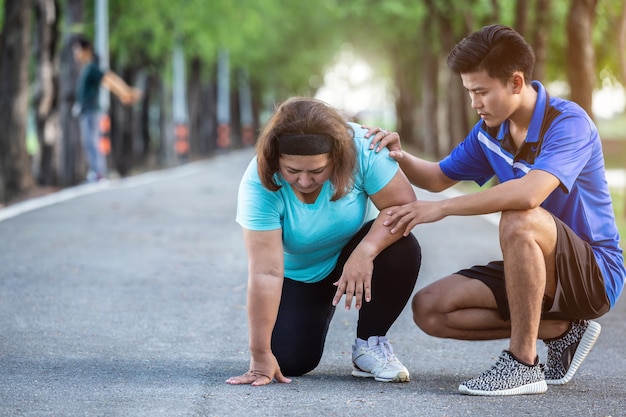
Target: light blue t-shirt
[(314, 234)]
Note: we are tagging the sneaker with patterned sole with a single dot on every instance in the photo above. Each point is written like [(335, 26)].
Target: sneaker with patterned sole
[(566, 353), (374, 358), (507, 377)]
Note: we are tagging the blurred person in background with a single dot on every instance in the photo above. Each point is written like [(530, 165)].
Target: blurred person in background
[(87, 107)]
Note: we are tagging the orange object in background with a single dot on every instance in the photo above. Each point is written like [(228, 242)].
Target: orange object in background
[(105, 134), (247, 135), (181, 132), (223, 135)]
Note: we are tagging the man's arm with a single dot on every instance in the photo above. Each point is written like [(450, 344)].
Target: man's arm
[(525, 193), (118, 86), (423, 174)]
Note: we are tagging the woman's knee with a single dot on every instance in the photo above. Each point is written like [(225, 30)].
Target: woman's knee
[(297, 366), (297, 354)]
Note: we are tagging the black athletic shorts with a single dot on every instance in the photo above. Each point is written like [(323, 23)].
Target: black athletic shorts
[(580, 292)]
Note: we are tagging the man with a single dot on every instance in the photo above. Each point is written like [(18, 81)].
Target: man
[(87, 104), (561, 261)]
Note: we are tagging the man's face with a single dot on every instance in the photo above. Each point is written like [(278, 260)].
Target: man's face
[(493, 100), (80, 55)]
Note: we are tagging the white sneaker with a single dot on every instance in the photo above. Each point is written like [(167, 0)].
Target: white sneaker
[(374, 358)]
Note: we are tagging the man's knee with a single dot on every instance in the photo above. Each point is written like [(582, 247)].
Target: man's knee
[(527, 226), (425, 314), (516, 223)]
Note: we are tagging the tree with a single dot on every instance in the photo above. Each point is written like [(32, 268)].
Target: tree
[(540, 37), (15, 174), (581, 69), (281, 46), (45, 96), (69, 159)]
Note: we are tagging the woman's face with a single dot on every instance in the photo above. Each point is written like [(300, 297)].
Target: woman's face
[(305, 173)]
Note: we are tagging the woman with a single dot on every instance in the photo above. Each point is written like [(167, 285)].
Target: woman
[(303, 205)]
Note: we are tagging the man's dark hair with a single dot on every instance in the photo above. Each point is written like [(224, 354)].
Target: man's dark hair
[(497, 49), (82, 41)]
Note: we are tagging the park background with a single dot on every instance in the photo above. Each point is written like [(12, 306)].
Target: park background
[(211, 71)]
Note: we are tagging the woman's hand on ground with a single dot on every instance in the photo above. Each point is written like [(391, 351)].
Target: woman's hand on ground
[(262, 371)]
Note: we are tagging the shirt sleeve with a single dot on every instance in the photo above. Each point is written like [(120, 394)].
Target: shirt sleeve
[(257, 207), (377, 169), (467, 161)]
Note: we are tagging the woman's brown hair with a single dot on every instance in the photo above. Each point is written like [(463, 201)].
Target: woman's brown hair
[(308, 116)]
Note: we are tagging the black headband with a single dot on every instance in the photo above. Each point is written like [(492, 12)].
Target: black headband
[(305, 144)]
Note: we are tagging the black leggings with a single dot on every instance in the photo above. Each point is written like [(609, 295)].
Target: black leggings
[(306, 309)]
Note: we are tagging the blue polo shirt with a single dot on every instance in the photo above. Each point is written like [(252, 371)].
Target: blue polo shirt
[(315, 234), (563, 141)]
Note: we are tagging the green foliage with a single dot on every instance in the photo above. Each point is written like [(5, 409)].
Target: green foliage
[(283, 43), (605, 35)]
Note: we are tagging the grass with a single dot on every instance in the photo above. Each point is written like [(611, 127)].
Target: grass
[(612, 129), (619, 203), (613, 134)]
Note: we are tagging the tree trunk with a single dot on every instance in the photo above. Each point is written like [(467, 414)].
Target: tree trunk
[(543, 22), (45, 91), (430, 89), (521, 17), (122, 131), (194, 98), (580, 52), (15, 170), (407, 76), (458, 110), (405, 102), (257, 106), (149, 95), (70, 160), (454, 121), (208, 123)]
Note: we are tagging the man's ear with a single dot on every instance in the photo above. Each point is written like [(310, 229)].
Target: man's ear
[(518, 82)]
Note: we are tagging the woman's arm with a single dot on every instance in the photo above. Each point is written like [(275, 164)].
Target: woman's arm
[(356, 278), (265, 283)]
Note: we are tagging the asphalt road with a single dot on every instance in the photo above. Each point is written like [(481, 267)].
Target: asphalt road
[(128, 299)]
